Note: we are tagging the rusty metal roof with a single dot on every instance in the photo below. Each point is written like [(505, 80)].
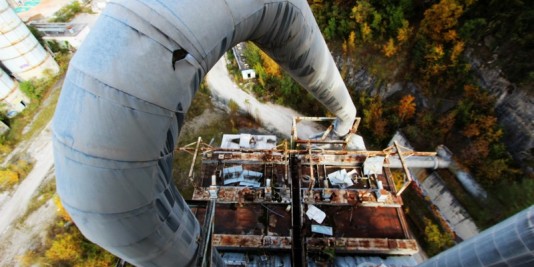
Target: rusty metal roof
[(364, 214)]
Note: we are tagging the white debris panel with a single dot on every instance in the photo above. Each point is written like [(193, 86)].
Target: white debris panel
[(315, 214), (321, 229), (373, 165), (341, 178)]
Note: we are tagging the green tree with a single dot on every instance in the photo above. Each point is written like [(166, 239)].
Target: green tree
[(441, 18), (436, 240)]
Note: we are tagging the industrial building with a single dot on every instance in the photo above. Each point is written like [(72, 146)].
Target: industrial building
[(12, 99), (20, 52), (321, 202), (247, 72), (22, 57), (68, 35)]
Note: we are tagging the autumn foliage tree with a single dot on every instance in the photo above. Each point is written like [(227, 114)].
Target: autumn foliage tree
[(66, 246), (61, 212), (271, 67), (484, 152), (65, 249), (446, 125), (441, 19), (389, 48), (406, 108), (8, 179), (438, 48), (374, 119), (382, 22)]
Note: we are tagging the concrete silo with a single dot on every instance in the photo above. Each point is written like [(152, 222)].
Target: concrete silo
[(20, 52), (10, 96)]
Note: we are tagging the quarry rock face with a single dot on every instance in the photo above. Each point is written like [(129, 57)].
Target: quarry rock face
[(514, 108)]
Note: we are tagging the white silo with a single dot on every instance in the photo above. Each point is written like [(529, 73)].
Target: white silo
[(19, 50), (11, 98)]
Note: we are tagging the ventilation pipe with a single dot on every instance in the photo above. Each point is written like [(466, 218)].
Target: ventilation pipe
[(422, 162), (123, 104)]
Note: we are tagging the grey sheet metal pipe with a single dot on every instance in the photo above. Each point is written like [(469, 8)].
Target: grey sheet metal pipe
[(418, 162), (123, 104)]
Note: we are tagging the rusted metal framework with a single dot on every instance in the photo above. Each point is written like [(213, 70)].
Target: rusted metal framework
[(363, 216), (338, 140)]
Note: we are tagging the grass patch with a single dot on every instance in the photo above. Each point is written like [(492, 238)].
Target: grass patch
[(43, 117), (505, 199), (45, 192), (15, 172), (213, 130), (68, 12), (41, 91), (182, 161), (66, 246)]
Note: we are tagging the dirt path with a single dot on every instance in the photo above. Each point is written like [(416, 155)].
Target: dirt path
[(40, 149), (16, 238), (27, 235), (272, 117)]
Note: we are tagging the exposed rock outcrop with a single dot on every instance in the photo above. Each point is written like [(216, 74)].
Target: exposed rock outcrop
[(514, 107)]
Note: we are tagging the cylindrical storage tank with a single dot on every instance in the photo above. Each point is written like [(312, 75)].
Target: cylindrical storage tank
[(20, 52), (10, 95), (509, 243)]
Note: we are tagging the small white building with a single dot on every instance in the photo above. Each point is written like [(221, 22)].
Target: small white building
[(248, 74), (246, 71), (66, 34)]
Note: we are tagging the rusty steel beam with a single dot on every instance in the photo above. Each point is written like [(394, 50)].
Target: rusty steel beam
[(190, 176), (364, 245), (405, 168)]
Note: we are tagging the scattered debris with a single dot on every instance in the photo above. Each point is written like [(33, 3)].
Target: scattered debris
[(321, 229), (341, 178), (236, 174), (373, 165), (315, 214)]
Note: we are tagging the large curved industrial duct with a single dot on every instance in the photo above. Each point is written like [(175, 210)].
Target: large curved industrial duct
[(123, 104)]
